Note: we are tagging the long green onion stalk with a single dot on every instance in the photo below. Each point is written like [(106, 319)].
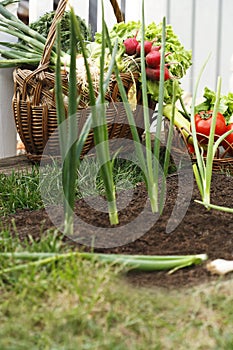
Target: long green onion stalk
[(149, 165), (160, 108), (98, 115), (129, 113), (68, 131), (168, 147), (171, 263), (70, 146), (152, 184)]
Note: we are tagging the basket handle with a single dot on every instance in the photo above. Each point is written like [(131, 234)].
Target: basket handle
[(52, 31), (117, 11)]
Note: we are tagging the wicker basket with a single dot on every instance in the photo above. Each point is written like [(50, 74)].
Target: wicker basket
[(223, 160), (34, 105)]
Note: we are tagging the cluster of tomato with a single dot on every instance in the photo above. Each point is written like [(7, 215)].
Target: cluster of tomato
[(203, 121)]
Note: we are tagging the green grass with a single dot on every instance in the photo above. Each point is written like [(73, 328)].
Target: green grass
[(21, 190), (77, 304)]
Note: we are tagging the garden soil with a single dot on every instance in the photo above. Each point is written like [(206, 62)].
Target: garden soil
[(199, 231)]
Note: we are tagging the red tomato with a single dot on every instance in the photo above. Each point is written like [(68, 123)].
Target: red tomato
[(229, 138), (203, 122)]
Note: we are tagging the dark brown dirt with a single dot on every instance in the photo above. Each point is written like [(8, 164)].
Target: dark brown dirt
[(199, 231)]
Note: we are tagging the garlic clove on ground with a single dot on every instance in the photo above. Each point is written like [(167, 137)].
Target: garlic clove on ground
[(220, 266)]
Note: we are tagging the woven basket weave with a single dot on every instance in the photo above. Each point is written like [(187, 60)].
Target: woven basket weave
[(223, 159), (34, 104)]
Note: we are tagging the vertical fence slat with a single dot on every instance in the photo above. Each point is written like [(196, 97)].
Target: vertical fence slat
[(38, 8), (205, 43), (93, 11), (180, 15), (226, 52), (81, 9)]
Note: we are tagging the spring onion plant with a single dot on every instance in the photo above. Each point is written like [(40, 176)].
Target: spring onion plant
[(151, 179), (68, 131), (98, 114), (203, 168), (148, 165), (160, 108), (170, 263), (70, 146), (168, 145)]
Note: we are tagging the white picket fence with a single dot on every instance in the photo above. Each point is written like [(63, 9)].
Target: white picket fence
[(204, 26)]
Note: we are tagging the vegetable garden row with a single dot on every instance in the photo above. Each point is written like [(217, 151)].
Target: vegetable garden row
[(130, 65)]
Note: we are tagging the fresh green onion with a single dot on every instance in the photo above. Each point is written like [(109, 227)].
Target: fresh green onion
[(152, 184), (203, 169), (169, 263), (160, 105), (98, 113), (70, 146), (168, 147), (67, 132), (129, 113), (70, 161), (151, 179)]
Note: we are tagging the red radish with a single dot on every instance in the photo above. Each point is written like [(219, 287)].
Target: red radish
[(156, 48), (153, 58), (147, 47), (154, 73), (131, 45)]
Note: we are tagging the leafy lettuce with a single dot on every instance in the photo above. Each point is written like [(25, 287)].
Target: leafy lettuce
[(179, 59), (225, 105)]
